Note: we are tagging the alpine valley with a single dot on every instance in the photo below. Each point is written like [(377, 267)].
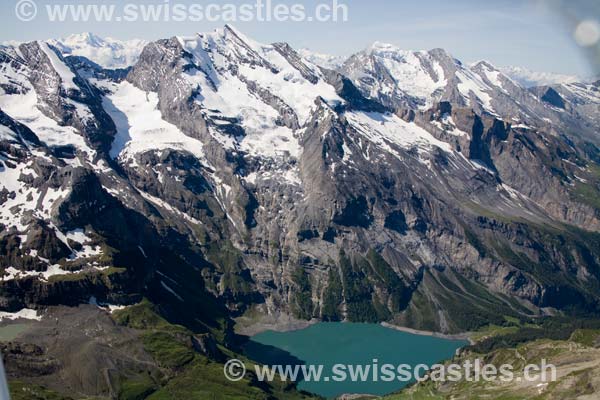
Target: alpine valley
[(154, 193)]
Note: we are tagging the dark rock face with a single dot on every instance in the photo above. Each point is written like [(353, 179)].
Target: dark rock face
[(354, 213), (348, 91), (207, 345), (258, 178), (42, 238), (296, 61), (552, 97), (27, 359), (87, 69), (22, 132)]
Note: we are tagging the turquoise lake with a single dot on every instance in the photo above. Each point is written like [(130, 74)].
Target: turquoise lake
[(328, 344)]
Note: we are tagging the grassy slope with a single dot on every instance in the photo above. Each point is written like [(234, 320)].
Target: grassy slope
[(187, 374), (25, 391), (577, 360), (182, 372)]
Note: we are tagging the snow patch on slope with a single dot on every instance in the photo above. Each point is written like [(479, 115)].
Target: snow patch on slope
[(24, 109), (388, 131), (25, 313), (227, 63), (583, 92), (492, 75), (470, 83), (140, 126), (66, 75)]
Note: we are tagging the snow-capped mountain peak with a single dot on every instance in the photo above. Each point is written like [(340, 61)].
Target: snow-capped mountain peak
[(382, 46), (253, 96), (485, 64), (417, 77), (529, 78), (85, 38), (106, 52), (323, 60)]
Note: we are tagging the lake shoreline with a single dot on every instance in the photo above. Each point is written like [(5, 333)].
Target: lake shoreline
[(281, 322), (449, 336), (277, 322)]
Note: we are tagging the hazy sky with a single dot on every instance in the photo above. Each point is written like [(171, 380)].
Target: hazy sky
[(526, 33)]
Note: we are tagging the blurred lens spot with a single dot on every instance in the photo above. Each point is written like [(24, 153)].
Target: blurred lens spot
[(587, 33)]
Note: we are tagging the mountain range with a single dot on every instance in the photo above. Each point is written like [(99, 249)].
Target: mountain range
[(209, 176)]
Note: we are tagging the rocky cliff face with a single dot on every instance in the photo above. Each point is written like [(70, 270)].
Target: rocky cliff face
[(218, 171)]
